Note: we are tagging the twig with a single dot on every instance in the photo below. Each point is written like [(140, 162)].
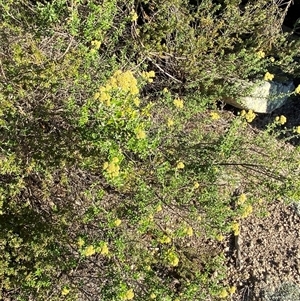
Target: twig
[(168, 74)]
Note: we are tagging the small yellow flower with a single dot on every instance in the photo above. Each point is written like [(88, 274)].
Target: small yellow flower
[(272, 59), (129, 295), (247, 210), (140, 134), (104, 249), (178, 103), (268, 76), (152, 296), (297, 90), (117, 222), (158, 208), (250, 115), (297, 129), (242, 199), (165, 90), (223, 294), (220, 237), (96, 96), (65, 291), (232, 290), (165, 240), (89, 251), (137, 102), (134, 16), (261, 54), (172, 258), (189, 231), (281, 119), (148, 76), (115, 160), (180, 165), (236, 228), (214, 116), (151, 73), (196, 185), (170, 122), (96, 44), (80, 242)]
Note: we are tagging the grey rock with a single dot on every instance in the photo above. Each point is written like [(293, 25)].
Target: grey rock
[(262, 96)]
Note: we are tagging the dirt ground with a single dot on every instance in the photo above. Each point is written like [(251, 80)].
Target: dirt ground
[(269, 247)]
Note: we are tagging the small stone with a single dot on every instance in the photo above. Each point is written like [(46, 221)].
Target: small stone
[(263, 96)]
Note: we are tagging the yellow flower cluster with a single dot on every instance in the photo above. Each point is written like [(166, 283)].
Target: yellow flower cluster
[(224, 293), (236, 228), (102, 249), (268, 76), (297, 129), (178, 103), (165, 239), (96, 44), (133, 16), (117, 222), (247, 210), (180, 165), (220, 237), (148, 76), (196, 185), (281, 119), (128, 295), (214, 116), (140, 133), (172, 258), (250, 115), (89, 251), (242, 199), (124, 81), (189, 231), (297, 90), (170, 122), (260, 54), (112, 168), (65, 291)]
